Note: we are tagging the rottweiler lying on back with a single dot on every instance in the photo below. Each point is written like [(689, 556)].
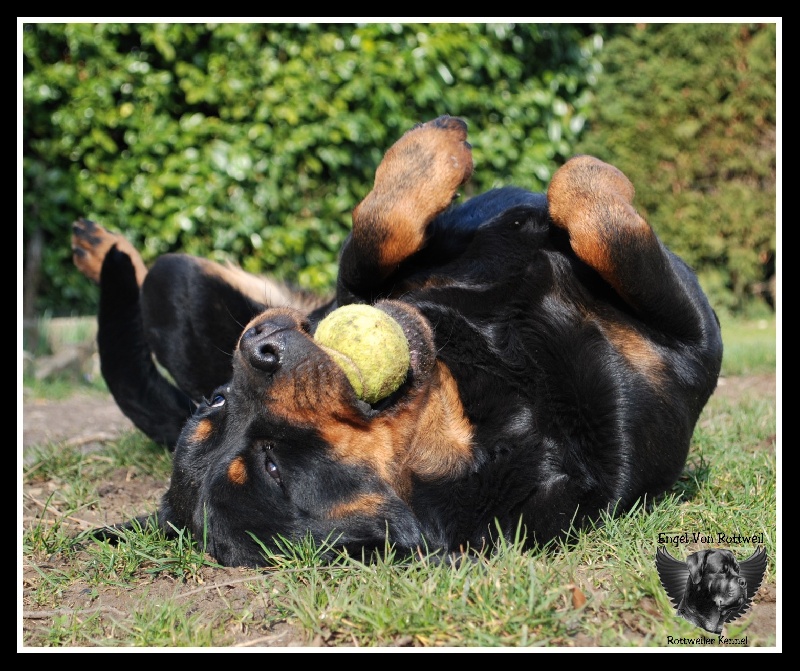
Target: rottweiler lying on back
[(560, 356)]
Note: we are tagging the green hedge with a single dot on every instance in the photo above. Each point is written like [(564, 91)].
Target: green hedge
[(688, 112), (254, 142)]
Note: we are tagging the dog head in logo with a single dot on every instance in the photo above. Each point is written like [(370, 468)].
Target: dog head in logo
[(711, 587)]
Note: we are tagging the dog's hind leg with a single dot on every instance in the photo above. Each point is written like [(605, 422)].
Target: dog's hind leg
[(144, 395), (593, 202), (417, 179), (151, 402), (193, 311)]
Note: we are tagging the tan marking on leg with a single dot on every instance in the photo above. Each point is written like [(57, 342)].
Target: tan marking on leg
[(416, 180), (261, 288), (637, 350), (591, 200)]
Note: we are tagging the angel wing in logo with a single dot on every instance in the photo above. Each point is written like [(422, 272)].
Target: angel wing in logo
[(711, 587)]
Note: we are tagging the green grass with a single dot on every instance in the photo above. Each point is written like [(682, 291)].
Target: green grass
[(750, 346), (63, 386), (602, 590)]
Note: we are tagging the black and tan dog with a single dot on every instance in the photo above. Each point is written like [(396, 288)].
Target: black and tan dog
[(711, 588), (561, 357)]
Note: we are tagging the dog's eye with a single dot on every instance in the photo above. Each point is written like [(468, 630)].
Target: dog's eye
[(217, 399), (272, 469)]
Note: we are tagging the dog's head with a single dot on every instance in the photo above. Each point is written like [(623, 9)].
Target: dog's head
[(286, 449), (715, 583)]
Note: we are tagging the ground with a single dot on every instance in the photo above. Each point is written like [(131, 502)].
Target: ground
[(86, 419)]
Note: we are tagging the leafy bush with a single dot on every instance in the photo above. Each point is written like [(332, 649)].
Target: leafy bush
[(254, 142)]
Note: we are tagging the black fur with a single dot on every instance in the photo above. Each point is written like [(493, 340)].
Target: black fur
[(581, 355)]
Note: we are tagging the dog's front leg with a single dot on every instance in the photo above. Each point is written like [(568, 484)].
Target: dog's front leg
[(417, 179)]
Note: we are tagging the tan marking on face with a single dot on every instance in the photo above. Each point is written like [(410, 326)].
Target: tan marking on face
[(636, 349), (443, 443), (379, 445), (429, 437), (237, 471), (367, 505), (313, 392), (426, 434), (202, 431)]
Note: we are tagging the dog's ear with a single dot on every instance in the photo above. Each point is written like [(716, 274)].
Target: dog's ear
[(697, 565), (731, 560)]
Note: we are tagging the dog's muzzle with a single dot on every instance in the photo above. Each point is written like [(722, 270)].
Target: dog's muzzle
[(272, 341)]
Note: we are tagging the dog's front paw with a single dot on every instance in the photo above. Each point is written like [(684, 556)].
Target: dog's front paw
[(426, 166), (417, 179), (592, 201), (586, 188)]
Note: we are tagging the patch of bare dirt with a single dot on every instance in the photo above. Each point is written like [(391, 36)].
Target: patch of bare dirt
[(81, 418), (87, 420), (754, 385)]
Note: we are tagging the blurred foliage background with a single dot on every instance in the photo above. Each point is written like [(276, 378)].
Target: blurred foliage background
[(253, 142)]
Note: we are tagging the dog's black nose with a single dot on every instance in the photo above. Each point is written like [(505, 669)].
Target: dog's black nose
[(263, 345)]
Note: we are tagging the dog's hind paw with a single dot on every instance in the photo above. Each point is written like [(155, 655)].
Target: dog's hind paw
[(90, 244)]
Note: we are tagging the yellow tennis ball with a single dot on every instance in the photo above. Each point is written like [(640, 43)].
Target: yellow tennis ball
[(369, 346)]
